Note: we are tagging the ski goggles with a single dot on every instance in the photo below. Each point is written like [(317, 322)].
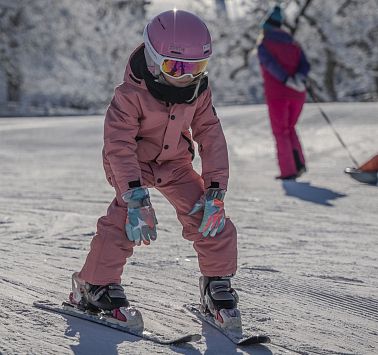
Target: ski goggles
[(175, 68)]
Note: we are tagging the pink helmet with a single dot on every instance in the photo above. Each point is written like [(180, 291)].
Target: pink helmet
[(178, 34)]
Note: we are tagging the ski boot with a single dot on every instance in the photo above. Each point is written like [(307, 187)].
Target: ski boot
[(108, 300), (220, 300)]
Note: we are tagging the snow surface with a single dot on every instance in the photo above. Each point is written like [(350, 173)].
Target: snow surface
[(308, 250)]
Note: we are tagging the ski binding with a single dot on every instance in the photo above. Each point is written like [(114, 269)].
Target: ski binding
[(232, 328)]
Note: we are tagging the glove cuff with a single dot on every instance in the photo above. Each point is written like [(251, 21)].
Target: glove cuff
[(137, 197), (212, 194)]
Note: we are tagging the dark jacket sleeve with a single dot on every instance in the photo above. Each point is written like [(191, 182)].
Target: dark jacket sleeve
[(304, 65)]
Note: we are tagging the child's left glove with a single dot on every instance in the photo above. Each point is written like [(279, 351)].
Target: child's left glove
[(213, 220), (141, 220)]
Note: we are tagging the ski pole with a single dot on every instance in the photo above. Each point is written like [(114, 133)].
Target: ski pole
[(316, 100)]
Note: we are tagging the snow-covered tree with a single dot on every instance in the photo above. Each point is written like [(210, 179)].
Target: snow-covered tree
[(339, 38), (11, 18), (71, 53)]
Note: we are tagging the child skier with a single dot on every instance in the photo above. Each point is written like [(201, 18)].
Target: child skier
[(284, 68), (148, 143)]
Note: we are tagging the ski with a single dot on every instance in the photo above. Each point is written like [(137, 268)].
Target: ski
[(67, 308), (363, 176), (236, 337)]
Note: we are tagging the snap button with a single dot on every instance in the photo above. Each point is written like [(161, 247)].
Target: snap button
[(158, 181), (173, 117), (166, 146)]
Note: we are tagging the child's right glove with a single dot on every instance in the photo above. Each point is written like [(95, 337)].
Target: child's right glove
[(213, 220), (141, 220)]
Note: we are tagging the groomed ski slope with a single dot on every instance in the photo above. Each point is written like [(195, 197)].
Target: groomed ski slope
[(308, 250)]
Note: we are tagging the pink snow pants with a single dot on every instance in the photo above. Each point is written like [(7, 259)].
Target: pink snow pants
[(182, 187), (284, 114)]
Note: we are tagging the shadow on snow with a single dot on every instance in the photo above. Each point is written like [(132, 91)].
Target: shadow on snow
[(306, 192), (217, 343), (96, 339)]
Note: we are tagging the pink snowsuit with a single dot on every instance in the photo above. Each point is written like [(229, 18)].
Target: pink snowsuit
[(280, 57), (149, 141)]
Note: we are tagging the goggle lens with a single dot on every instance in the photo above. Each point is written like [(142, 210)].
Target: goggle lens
[(177, 68)]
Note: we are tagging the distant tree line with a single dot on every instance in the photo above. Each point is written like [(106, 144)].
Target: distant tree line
[(70, 54)]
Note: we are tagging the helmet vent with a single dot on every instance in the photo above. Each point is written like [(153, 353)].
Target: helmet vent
[(176, 49), (161, 23), (206, 48)]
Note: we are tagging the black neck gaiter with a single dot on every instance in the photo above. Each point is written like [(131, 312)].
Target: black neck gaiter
[(163, 92)]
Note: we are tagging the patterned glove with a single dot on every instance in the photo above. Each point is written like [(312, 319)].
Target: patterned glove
[(141, 220), (213, 219)]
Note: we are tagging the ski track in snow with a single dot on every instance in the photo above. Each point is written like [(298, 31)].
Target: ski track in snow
[(308, 271)]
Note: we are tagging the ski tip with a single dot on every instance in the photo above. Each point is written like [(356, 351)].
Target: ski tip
[(41, 303), (196, 337), (182, 340), (362, 176), (264, 339), (256, 339), (188, 338)]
